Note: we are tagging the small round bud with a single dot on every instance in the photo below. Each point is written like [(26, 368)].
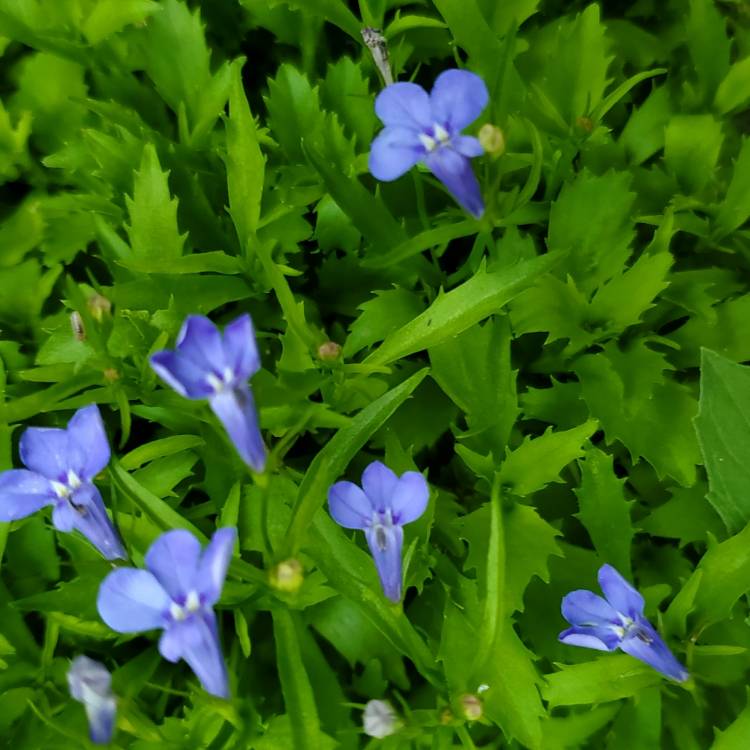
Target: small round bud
[(471, 707), (446, 715), (287, 576), (99, 306), (585, 123), (492, 139), (329, 351), (110, 374), (379, 719), (76, 324)]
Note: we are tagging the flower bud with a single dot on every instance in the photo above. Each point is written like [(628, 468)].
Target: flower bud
[(492, 139), (585, 123), (76, 324), (446, 715), (471, 706), (329, 351), (287, 576), (378, 46), (99, 307), (110, 374), (379, 719)]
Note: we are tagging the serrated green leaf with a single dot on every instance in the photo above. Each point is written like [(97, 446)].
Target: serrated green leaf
[(734, 737), (604, 510), (734, 209), (643, 134), (691, 149), (723, 428), (153, 231), (639, 724), (539, 461), (455, 311), (708, 44), (107, 17), (606, 678), (245, 162), (734, 90)]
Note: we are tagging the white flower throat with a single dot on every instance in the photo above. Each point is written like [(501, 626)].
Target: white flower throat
[(67, 488), (439, 137), (220, 383), (191, 606)]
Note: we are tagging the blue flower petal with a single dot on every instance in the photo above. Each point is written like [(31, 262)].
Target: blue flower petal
[(394, 152), (196, 640), (409, 497), (601, 639), (385, 545), (405, 105), (89, 440), (349, 506), (379, 483), (455, 172), (181, 373), (586, 608), (173, 559), (212, 569), (644, 643), (200, 341), (457, 99), (235, 408), (22, 493), (85, 512), (90, 684), (619, 593), (47, 451), (240, 348), (467, 145), (132, 600)]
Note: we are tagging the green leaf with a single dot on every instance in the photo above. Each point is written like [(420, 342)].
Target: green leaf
[(734, 210), (734, 90), (708, 44), (575, 729), (295, 683), (591, 220), (639, 724), (333, 459), (153, 228), (607, 678), (691, 149), (387, 311), (539, 461), (604, 511), (107, 17), (455, 311), (474, 370), (245, 162), (734, 737), (723, 428), (643, 134)]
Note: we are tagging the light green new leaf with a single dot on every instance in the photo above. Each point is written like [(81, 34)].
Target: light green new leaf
[(734, 209), (455, 311), (604, 511), (153, 231), (607, 678), (539, 461), (107, 17), (245, 162), (735, 736), (708, 44), (723, 427), (691, 149), (734, 90)]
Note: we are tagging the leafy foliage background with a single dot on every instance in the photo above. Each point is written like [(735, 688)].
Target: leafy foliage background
[(578, 348)]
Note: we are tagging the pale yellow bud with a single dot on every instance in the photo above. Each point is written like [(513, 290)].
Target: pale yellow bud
[(492, 139)]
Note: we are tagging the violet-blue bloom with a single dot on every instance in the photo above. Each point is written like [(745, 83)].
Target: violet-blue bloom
[(381, 507), (208, 365), (176, 593), (60, 464), (422, 127), (91, 684), (617, 622)]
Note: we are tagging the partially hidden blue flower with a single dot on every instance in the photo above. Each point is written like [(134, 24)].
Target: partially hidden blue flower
[(208, 365), (617, 622), (91, 684), (176, 593), (60, 465), (381, 507), (422, 127)]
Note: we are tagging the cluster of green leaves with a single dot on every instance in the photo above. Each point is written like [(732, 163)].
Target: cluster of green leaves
[(566, 370)]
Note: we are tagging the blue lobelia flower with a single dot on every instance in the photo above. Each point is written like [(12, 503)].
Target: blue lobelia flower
[(422, 127), (617, 622), (60, 466), (176, 593), (383, 505), (207, 365), (91, 684)]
